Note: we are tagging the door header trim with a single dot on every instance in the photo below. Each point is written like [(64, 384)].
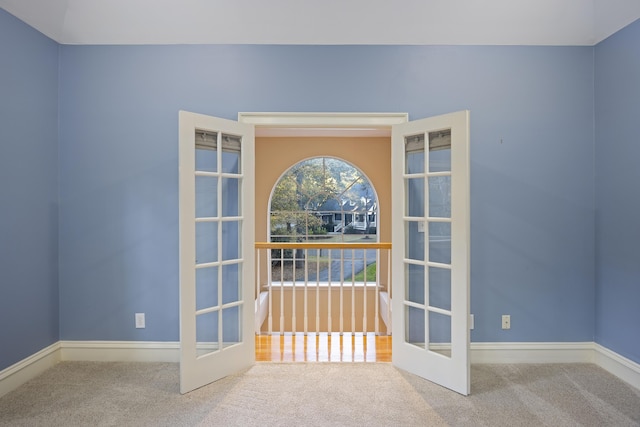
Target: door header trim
[(322, 124)]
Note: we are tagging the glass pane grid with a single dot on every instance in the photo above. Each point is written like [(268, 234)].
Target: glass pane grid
[(218, 181), (427, 188)]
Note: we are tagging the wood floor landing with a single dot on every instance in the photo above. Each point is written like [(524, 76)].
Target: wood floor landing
[(323, 347)]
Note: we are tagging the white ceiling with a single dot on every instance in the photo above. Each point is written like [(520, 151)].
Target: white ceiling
[(456, 22)]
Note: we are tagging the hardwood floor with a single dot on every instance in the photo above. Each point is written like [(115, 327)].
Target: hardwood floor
[(323, 347)]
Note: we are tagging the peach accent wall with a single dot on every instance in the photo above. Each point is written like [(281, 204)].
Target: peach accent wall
[(275, 155), (286, 305)]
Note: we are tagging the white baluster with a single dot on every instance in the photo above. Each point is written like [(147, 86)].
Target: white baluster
[(270, 289), (329, 296), (377, 294), (306, 282), (257, 296), (353, 291), (364, 293), (293, 292), (281, 291), (341, 291), (319, 251)]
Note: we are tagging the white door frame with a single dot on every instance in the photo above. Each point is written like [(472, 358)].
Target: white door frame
[(270, 124), (323, 124)]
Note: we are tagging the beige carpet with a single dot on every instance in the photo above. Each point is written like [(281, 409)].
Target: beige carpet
[(318, 394)]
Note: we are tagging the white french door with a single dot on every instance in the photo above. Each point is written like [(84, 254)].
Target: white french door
[(216, 187), (430, 236)]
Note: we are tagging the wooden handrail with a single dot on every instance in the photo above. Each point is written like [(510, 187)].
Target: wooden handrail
[(320, 245)]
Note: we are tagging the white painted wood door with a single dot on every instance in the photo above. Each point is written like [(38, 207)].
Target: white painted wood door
[(216, 186), (430, 236)]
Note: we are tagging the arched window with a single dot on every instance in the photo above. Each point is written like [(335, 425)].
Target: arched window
[(328, 200), (323, 198)]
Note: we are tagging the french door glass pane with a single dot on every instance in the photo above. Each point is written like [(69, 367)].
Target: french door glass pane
[(206, 159), (207, 333), (440, 242), (440, 288), (230, 197), (206, 287), (440, 333), (414, 230), (231, 325), (231, 153), (440, 196), (414, 326), (414, 158), (231, 240), (206, 196), (415, 197), (440, 151), (206, 242), (414, 283), (231, 289)]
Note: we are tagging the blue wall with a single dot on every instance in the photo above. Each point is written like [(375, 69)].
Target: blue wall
[(28, 191), (532, 166), (617, 74)]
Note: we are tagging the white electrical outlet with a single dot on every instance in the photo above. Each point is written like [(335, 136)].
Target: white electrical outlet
[(140, 321), (506, 321), (471, 321)]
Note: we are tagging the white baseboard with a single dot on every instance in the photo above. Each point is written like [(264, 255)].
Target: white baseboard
[(623, 368), (145, 351), (21, 372), (532, 352), (120, 351)]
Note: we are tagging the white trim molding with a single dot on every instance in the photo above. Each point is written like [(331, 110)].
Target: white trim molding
[(623, 368), (21, 372), (323, 120), (169, 351), (532, 352), (120, 351), (326, 125)]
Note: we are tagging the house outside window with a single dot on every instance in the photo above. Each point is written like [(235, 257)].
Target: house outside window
[(323, 199)]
